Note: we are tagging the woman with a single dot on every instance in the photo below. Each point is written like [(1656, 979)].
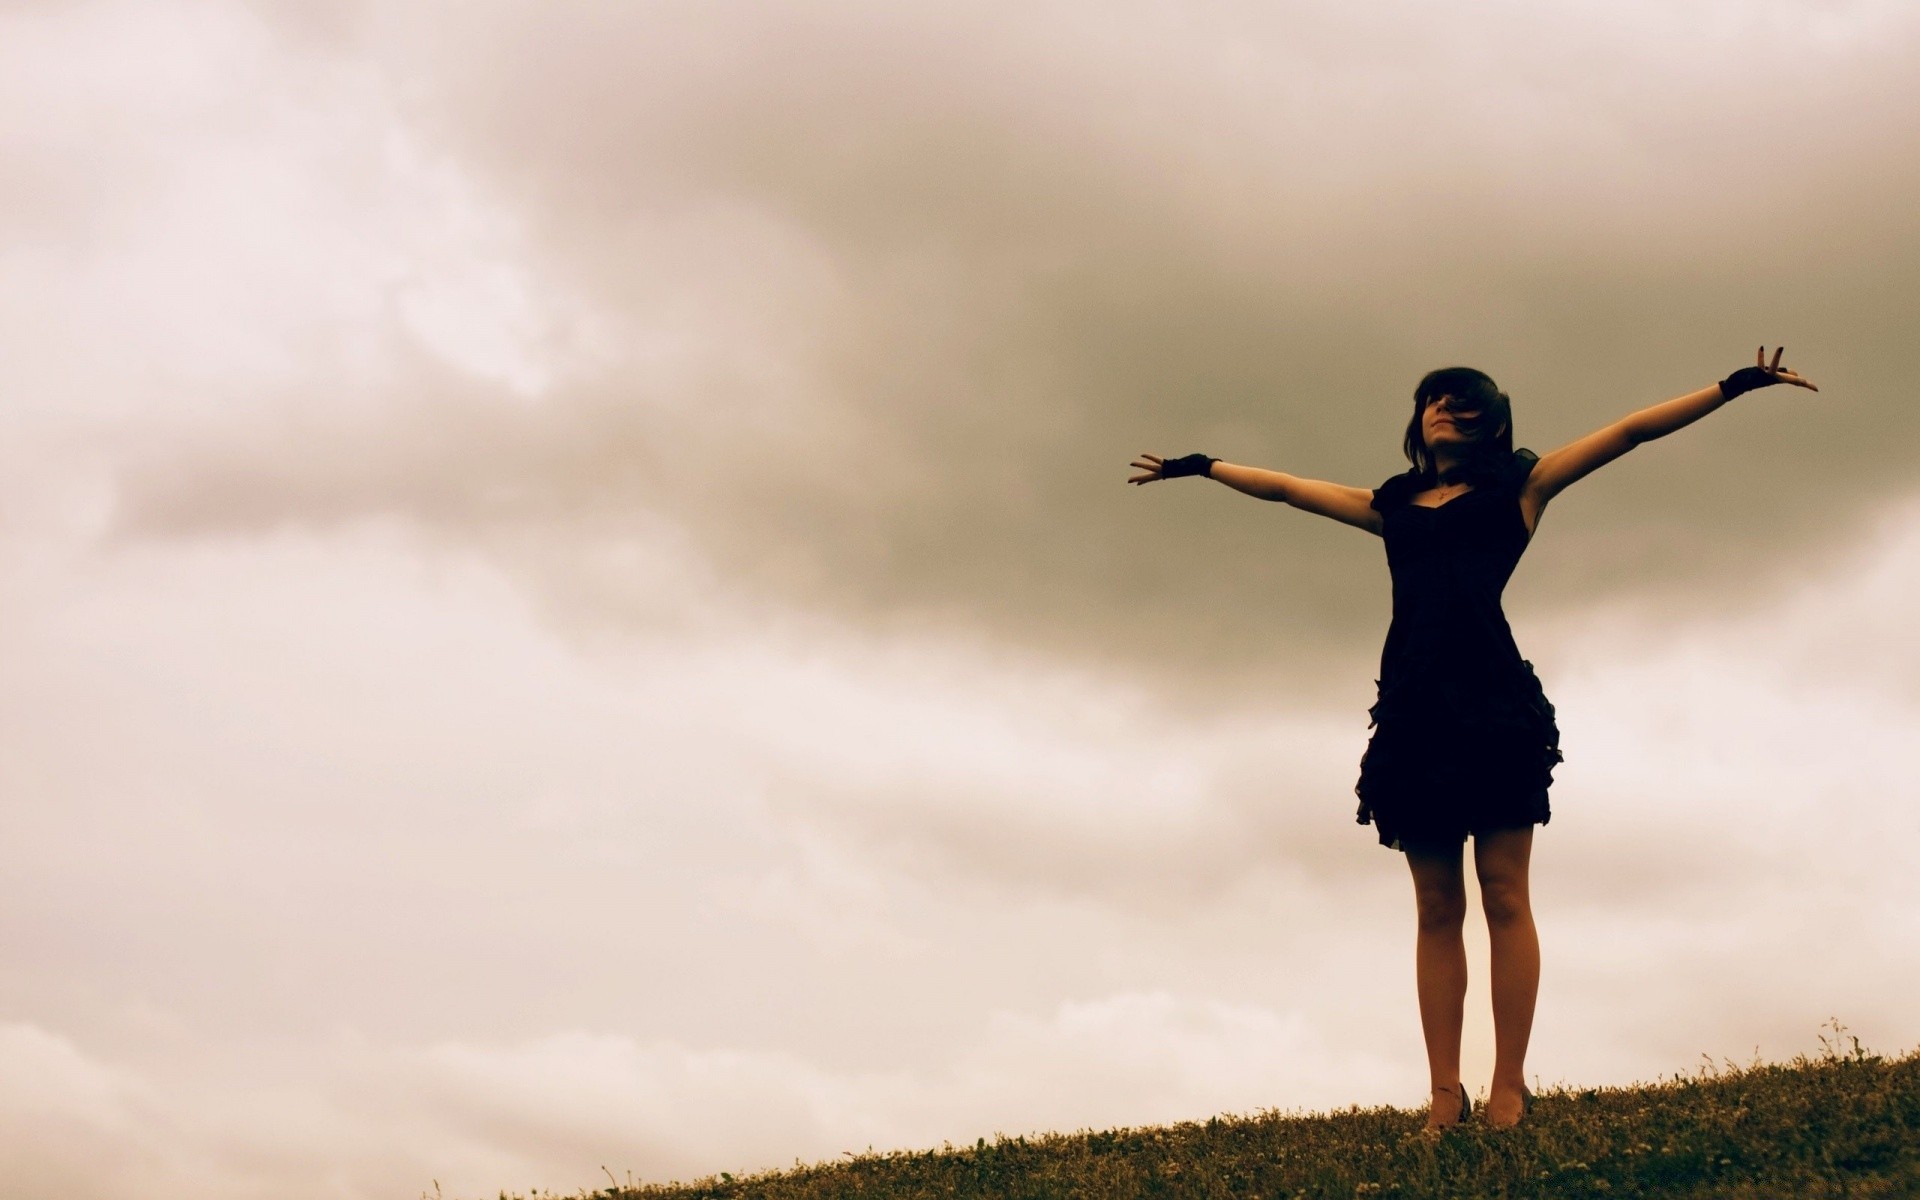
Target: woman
[(1464, 739)]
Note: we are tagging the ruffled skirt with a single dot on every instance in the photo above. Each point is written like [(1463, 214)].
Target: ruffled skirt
[(1440, 767)]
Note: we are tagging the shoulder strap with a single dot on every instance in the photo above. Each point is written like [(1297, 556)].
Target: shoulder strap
[(1520, 467)]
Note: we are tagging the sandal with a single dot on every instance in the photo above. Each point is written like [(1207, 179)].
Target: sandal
[(1466, 1110), (1526, 1107)]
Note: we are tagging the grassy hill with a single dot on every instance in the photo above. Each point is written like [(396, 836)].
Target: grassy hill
[(1844, 1123)]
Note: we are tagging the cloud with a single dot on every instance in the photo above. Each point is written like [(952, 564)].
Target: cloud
[(583, 535), (857, 298), (1046, 786), (362, 1118), (75, 1126), (936, 821)]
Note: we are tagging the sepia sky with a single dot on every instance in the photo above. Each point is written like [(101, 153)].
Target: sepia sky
[(568, 598)]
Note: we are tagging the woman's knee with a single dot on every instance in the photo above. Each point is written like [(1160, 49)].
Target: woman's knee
[(1439, 886), (1505, 900), (1441, 908), (1501, 864)]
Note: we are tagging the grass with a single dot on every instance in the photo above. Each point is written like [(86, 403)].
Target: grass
[(1842, 1123)]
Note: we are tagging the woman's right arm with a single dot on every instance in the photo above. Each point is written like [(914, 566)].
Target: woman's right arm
[(1348, 505)]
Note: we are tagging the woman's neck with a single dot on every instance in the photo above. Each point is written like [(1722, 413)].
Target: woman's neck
[(1447, 468)]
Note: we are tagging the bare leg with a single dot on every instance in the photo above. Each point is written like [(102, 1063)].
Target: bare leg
[(1500, 859), (1440, 968)]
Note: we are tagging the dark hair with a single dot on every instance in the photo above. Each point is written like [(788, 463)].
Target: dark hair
[(1483, 409)]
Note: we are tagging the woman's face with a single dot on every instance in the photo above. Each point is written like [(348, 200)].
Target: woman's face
[(1440, 425)]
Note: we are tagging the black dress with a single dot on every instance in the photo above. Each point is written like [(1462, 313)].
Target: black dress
[(1464, 737)]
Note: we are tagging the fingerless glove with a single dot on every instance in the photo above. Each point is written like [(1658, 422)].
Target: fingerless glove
[(1746, 379), (1191, 464)]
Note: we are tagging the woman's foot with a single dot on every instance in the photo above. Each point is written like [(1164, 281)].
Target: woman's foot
[(1506, 1105), (1449, 1107)]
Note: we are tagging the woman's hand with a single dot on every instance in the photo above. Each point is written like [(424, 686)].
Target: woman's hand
[(1760, 375), (1171, 468), (1150, 463)]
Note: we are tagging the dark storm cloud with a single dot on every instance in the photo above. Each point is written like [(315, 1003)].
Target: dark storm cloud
[(929, 279)]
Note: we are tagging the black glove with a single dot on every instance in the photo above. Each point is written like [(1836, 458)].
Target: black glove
[(1191, 464), (1746, 379)]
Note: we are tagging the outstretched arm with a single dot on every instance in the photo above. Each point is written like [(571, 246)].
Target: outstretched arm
[(1561, 469), (1348, 505)]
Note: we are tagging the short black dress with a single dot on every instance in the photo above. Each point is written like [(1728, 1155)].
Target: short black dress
[(1464, 738)]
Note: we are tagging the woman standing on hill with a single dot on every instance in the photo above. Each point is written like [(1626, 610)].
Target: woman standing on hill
[(1464, 739)]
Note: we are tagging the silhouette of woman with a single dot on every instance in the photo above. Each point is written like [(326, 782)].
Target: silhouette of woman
[(1464, 739)]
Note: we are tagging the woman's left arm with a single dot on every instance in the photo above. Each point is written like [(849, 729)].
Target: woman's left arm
[(1562, 468)]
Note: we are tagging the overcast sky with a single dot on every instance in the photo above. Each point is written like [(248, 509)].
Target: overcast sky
[(568, 597)]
